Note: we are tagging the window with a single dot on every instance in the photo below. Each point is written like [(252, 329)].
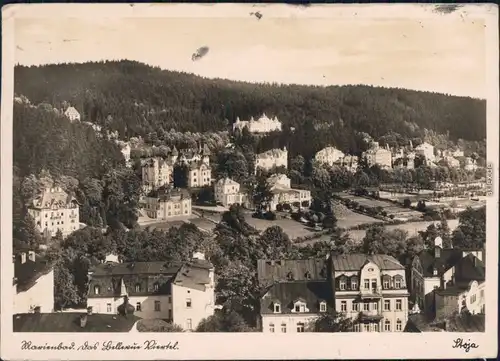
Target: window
[(387, 305), (188, 303), (137, 288), (342, 284), (375, 306), (300, 307), (366, 327), (343, 306), (300, 327), (375, 327), (169, 299), (277, 308), (472, 298), (387, 326), (367, 283), (189, 324), (386, 283), (397, 283), (399, 325), (399, 305), (366, 306), (283, 327), (356, 327), (354, 284), (322, 307), (271, 327), (97, 290), (138, 306), (156, 286), (157, 306), (108, 307), (355, 306), (374, 285)]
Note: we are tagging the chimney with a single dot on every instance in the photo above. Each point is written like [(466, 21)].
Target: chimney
[(83, 321), (23, 257), (31, 256)]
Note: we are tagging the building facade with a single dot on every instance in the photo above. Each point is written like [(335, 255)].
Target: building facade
[(72, 114), (55, 210), (156, 173), (33, 285), (280, 186), (227, 192), (199, 174), (166, 204), (329, 155), (427, 151), (372, 291), (378, 156), (261, 125), (272, 158), (182, 293)]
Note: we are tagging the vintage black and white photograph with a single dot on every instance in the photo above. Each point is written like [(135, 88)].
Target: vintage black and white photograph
[(252, 173)]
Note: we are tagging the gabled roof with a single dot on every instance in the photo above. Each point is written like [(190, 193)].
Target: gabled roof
[(53, 196), (227, 181), (312, 293), (448, 257), (270, 271), (469, 268), (354, 262), (193, 276)]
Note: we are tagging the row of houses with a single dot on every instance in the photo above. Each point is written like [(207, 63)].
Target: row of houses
[(376, 292)]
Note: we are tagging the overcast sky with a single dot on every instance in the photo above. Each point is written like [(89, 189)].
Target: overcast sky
[(443, 53)]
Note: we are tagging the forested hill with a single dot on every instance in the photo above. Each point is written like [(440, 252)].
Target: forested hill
[(142, 99)]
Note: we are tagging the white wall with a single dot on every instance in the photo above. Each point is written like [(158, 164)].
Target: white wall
[(65, 219), (100, 305), (41, 294), (202, 305), (290, 320)]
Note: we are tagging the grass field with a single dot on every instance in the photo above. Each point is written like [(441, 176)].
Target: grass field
[(352, 219), (293, 228)]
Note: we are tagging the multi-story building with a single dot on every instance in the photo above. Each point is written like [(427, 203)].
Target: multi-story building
[(33, 286), (280, 186), (350, 162), (462, 288), (329, 155), (182, 293), (72, 114), (371, 290), (227, 192), (261, 125), (297, 292), (168, 203), (430, 270), (427, 151), (53, 210), (272, 158), (378, 156), (156, 173)]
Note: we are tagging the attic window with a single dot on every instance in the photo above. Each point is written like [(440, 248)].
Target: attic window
[(277, 308), (300, 307), (322, 306)]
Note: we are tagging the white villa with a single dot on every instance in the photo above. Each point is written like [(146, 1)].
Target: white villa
[(272, 158), (378, 156), (283, 193), (167, 204), (329, 155), (261, 125), (72, 114), (227, 192)]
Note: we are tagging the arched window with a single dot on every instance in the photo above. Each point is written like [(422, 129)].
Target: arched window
[(387, 325), (97, 290), (399, 325)]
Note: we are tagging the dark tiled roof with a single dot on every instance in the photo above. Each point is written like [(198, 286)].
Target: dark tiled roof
[(136, 268), (193, 277), (311, 292), (27, 273), (448, 258), (273, 271), (470, 268), (70, 322), (354, 262), (198, 164)]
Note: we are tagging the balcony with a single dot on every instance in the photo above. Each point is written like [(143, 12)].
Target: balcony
[(372, 315), (371, 292)]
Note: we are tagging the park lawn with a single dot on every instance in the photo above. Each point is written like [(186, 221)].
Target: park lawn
[(293, 228), (353, 219), (203, 224)]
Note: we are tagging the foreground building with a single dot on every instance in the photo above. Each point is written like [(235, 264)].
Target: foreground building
[(284, 194), (369, 290), (372, 291), (227, 192), (33, 285), (168, 203), (54, 210), (259, 126), (182, 293)]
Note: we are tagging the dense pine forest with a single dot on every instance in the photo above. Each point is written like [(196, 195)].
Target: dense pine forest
[(139, 100)]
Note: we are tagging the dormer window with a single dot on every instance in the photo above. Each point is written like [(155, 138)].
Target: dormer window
[(97, 290), (354, 283), (342, 283), (299, 307), (398, 282), (277, 308), (322, 306)]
